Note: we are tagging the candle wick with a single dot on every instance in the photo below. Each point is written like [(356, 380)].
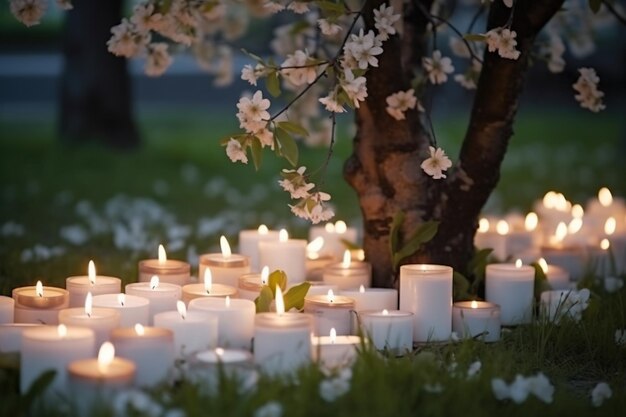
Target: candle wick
[(89, 315)]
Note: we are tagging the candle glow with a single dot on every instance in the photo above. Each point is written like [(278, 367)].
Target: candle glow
[(227, 301), (575, 225), (225, 247), (362, 289), (331, 296), (182, 309), (263, 230), (88, 304), (139, 329), (518, 263), (62, 330), (605, 197), (208, 280), (347, 259), (106, 354), (340, 227), (561, 232), (162, 255), (385, 312), (543, 264), (531, 221), (609, 226), (219, 351), (577, 211), (474, 304), (39, 289), (265, 273), (315, 245), (283, 236), (154, 282), (329, 227), (483, 225), (280, 303), (333, 335), (502, 227), (121, 299), (605, 244), (91, 272)]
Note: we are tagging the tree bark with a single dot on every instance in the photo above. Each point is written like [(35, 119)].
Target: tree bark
[(95, 101), (384, 168)]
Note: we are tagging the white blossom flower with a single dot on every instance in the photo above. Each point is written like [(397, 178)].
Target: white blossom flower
[(294, 182), (331, 104), (503, 41), (65, 4), (500, 389), (398, 103), (273, 7), (384, 21), (601, 392), (298, 7), (299, 68), (313, 208), (363, 49), (554, 54), (270, 409), (469, 79), (474, 369), (613, 284), (126, 40), (437, 67), (158, 59), (235, 152), (459, 47), (266, 137), (252, 75), (519, 389), (329, 28), (144, 17), (253, 115), (620, 337), (588, 95), (355, 88), (540, 386), (436, 163), (333, 388), (29, 12)]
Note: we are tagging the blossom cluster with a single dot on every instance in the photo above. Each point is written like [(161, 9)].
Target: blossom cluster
[(586, 86), (502, 40), (521, 387)]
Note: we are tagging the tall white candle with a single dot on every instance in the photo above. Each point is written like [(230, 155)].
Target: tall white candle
[(511, 286), (476, 318), (426, 291), (226, 267), (330, 311), (162, 296), (7, 305), (101, 320), (169, 271), (249, 243), (79, 286), (390, 330), (288, 255), (133, 309)]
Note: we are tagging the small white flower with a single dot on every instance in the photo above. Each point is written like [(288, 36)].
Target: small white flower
[(331, 104), (503, 41), (355, 88), (588, 95), (384, 21), (253, 115), (329, 28), (145, 19), (433, 388), (398, 103), (454, 336), (363, 49), (273, 7), (437, 67), (519, 389), (29, 12), (459, 47), (500, 389), (333, 388), (620, 337), (270, 409), (554, 53), (266, 137), (299, 69), (252, 75), (158, 59), (298, 7), (540, 386), (474, 369), (613, 284), (436, 163), (600, 392), (235, 152), (126, 40), (65, 4)]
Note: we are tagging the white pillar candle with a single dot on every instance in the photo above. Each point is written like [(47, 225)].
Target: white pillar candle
[(348, 274), (557, 304), (162, 296), (330, 311), (133, 309), (511, 287), (557, 277), (473, 318), (282, 341), (39, 304), (150, 348), (169, 271), (226, 267), (288, 255), (426, 291), (334, 236), (53, 348), (335, 351), (388, 329), (207, 289), (11, 336), (79, 286), (250, 285), (7, 306), (193, 330), (373, 298), (101, 320), (249, 243), (235, 319)]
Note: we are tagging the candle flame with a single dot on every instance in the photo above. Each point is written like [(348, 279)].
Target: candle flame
[(265, 273), (263, 230), (121, 299), (340, 227), (605, 197), (362, 289), (549, 199), (502, 227), (225, 247), (162, 254), (333, 335), (39, 289), (182, 309), (62, 330), (575, 225), (483, 225), (518, 263), (531, 221), (543, 264), (609, 226), (154, 282), (385, 312), (91, 272), (106, 354), (227, 301), (474, 304), (330, 296), (347, 259), (315, 245), (283, 236), (329, 227), (208, 280), (139, 329), (577, 211), (360, 254), (219, 351), (561, 232), (89, 304), (280, 303), (605, 244)]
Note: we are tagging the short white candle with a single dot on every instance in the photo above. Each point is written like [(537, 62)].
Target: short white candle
[(101, 320), (511, 287), (348, 274), (474, 318), (557, 277), (11, 336), (426, 291), (330, 311), (495, 238), (133, 309), (150, 348), (79, 286), (235, 319), (7, 305), (320, 288), (288, 255), (249, 243), (250, 284), (388, 329), (569, 257), (371, 299), (557, 304), (334, 351), (169, 271), (226, 267), (162, 296), (39, 304), (53, 348), (334, 235), (207, 289)]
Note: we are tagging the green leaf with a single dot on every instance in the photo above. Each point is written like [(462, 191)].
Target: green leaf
[(474, 37), (423, 234), (394, 231), (287, 145), (460, 287), (594, 5), (279, 278), (264, 300), (272, 84), (350, 245), (38, 387), (294, 298), (257, 152), (293, 128)]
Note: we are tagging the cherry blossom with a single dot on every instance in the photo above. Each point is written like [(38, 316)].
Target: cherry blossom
[(144, 18), (437, 67), (354, 87), (588, 95), (362, 49), (503, 41), (299, 69), (294, 182), (329, 28), (28, 12), (65, 4), (126, 40), (253, 115), (436, 163), (384, 21), (398, 103), (158, 59), (298, 7), (235, 152), (331, 104), (252, 75)]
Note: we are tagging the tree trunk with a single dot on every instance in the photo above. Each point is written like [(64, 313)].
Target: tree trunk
[(95, 85), (384, 168)]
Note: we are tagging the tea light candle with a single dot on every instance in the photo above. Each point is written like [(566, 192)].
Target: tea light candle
[(101, 320), (282, 341), (334, 236), (335, 351), (511, 286), (79, 286), (133, 309), (11, 336), (388, 329), (348, 274), (7, 305), (235, 319), (330, 311), (162, 296), (426, 291), (557, 277), (476, 318), (288, 255), (226, 267), (39, 304), (151, 349), (250, 284), (207, 289), (53, 348), (557, 304), (169, 271), (249, 243)]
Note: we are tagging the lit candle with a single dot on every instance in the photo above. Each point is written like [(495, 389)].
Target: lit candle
[(371, 299), (249, 243), (193, 330), (226, 267), (557, 304), (334, 237), (496, 240), (207, 289), (426, 291), (151, 349), (7, 305), (316, 262), (282, 341), (162, 296), (335, 351), (511, 286), (553, 209), (288, 255), (557, 277), (599, 259), (39, 304), (472, 319), (390, 330), (133, 309), (348, 274), (101, 320), (250, 284), (11, 336), (320, 288), (235, 319), (569, 257), (520, 240), (330, 311), (224, 356), (79, 286), (168, 270), (53, 348)]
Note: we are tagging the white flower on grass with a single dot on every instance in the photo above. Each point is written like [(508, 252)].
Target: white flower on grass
[(384, 21), (588, 95), (235, 152), (613, 284), (436, 163), (333, 388), (158, 59), (11, 228), (126, 40), (433, 388), (299, 68), (540, 386), (600, 392), (500, 389), (253, 115), (298, 7), (29, 12), (355, 88), (620, 337), (270, 409), (65, 4), (252, 75), (437, 67), (329, 28), (398, 103), (474, 369), (294, 182), (362, 49), (519, 390)]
